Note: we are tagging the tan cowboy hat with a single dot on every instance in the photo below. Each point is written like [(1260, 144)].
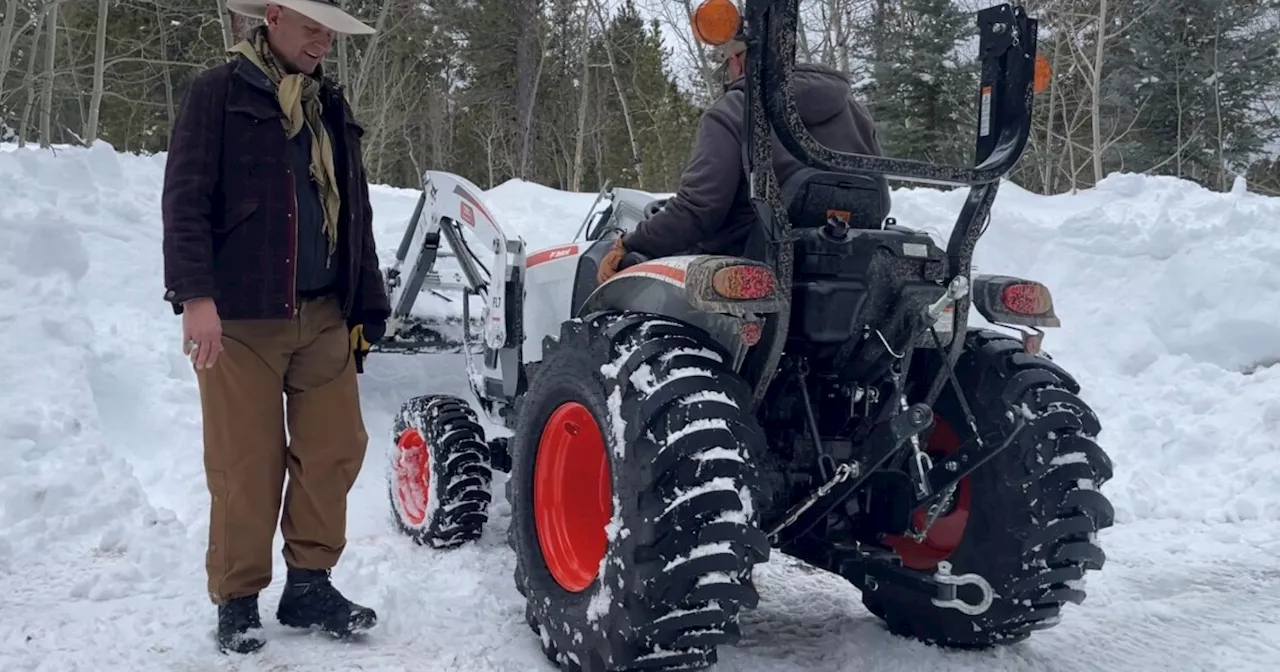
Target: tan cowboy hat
[(324, 12)]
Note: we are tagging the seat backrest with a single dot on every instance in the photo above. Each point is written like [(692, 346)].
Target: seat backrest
[(814, 197)]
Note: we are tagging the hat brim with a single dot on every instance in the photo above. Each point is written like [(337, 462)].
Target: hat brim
[(329, 16)]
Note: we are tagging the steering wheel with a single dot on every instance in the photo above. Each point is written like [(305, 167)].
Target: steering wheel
[(603, 233)]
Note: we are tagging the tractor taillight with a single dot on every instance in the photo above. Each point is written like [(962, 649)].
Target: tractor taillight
[(750, 333), (743, 282), (1027, 298)]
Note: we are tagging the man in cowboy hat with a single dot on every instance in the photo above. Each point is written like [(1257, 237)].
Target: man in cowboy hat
[(711, 212), (269, 257)]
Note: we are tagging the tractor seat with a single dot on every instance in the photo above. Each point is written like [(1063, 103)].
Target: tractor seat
[(814, 198)]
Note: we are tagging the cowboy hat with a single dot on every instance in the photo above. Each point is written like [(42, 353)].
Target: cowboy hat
[(324, 12)]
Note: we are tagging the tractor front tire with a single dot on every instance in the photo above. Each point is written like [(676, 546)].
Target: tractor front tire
[(1026, 521), (633, 492), (438, 472)]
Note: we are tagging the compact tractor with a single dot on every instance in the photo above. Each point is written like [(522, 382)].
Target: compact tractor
[(822, 395)]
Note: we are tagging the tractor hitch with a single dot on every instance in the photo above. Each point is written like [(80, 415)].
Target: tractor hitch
[(973, 454), (884, 442), (942, 587)]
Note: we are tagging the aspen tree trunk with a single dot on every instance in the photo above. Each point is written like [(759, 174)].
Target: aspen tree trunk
[(367, 60), (527, 75), (24, 125), (170, 108), (99, 65), (1096, 105), (637, 162), (1046, 177), (528, 165), (575, 183), (1217, 105), (46, 99), (6, 40)]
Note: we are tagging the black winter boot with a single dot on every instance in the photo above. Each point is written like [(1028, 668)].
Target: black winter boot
[(239, 626), (310, 600)]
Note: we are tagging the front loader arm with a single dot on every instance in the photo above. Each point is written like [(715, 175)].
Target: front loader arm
[(448, 203)]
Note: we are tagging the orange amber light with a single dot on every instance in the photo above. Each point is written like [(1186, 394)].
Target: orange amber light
[(1044, 74), (715, 22)]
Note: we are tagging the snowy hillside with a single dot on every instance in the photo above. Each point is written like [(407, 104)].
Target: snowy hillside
[(1170, 301)]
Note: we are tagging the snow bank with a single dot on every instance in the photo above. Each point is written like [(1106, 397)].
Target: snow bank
[(71, 304), (1168, 295)]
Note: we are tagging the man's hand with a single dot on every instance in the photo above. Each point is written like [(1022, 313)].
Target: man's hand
[(363, 336), (201, 332), (609, 265)]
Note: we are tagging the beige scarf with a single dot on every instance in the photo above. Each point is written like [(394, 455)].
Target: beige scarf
[(299, 98)]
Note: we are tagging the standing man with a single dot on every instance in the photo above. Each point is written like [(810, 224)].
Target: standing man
[(269, 257)]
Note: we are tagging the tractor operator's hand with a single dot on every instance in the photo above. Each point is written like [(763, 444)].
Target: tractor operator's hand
[(201, 332), (609, 265)]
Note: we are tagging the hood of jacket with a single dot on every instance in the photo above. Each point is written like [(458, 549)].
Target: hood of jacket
[(820, 92)]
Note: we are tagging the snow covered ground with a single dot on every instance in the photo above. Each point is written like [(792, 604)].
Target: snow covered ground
[(1170, 299)]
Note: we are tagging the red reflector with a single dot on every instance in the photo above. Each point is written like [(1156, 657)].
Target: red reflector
[(743, 282), (1026, 298), (750, 333)]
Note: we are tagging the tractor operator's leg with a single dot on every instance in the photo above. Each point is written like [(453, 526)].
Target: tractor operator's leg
[(326, 451), (244, 458)]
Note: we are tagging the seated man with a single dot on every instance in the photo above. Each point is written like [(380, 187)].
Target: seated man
[(711, 213)]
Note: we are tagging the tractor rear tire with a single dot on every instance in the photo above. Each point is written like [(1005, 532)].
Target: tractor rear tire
[(633, 495), (1026, 521), (438, 472)]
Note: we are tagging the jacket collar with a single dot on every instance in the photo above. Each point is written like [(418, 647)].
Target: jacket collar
[(247, 71)]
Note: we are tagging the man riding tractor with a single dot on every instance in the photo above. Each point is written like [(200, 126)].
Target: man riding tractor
[(711, 212)]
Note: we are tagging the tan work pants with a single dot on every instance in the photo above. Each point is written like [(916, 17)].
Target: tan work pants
[(302, 369)]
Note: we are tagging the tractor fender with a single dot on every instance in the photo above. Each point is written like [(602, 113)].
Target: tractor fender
[(681, 288)]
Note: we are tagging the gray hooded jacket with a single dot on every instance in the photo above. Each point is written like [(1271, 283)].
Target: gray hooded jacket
[(711, 213)]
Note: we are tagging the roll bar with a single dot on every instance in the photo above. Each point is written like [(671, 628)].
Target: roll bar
[(1007, 48), (1007, 51)]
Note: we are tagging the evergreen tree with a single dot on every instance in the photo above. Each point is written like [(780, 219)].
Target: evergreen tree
[(1202, 66), (922, 90), (664, 120)]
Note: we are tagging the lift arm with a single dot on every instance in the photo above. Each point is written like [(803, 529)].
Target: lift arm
[(448, 203)]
